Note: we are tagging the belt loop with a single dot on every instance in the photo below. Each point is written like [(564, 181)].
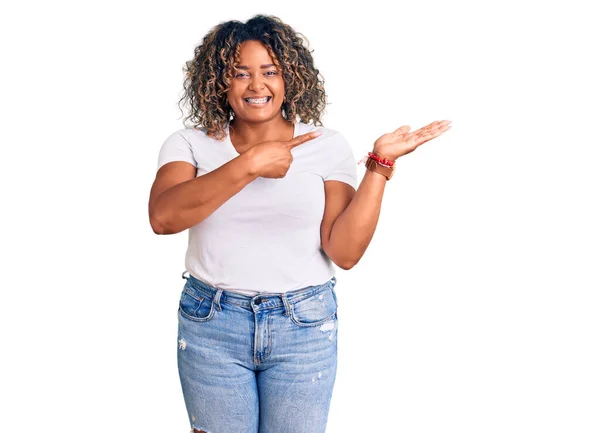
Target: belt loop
[(286, 304), (185, 278), (332, 285), (217, 299)]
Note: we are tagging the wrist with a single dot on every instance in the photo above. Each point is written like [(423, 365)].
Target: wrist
[(382, 157), (382, 154), (385, 169), (250, 163)]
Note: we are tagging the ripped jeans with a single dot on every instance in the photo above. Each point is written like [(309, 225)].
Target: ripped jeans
[(261, 364)]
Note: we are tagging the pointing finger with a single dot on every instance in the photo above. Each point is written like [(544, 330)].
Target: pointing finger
[(296, 141)]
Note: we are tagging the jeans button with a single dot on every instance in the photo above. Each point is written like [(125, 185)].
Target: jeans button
[(256, 301)]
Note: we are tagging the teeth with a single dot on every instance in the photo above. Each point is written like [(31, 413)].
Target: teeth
[(257, 100)]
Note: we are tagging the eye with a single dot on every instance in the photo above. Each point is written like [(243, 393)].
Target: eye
[(270, 73), (241, 75)]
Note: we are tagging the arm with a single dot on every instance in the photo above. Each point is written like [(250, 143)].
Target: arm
[(349, 227), (179, 199), (351, 230)]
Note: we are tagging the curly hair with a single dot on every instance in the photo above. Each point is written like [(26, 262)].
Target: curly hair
[(209, 73)]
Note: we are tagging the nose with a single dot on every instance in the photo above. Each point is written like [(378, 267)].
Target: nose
[(256, 83)]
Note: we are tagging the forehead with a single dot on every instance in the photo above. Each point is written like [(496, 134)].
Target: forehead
[(254, 53)]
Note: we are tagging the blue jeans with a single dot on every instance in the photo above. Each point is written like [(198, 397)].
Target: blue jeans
[(261, 364)]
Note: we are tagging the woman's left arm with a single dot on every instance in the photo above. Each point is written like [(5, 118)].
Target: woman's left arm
[(351, 232), (346, 234)]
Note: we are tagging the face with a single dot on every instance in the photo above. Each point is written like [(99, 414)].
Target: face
[(257, 88)]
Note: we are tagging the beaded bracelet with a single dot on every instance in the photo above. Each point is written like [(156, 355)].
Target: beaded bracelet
[(381, 161)]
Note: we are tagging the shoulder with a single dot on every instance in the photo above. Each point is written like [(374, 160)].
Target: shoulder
[(193, 135)]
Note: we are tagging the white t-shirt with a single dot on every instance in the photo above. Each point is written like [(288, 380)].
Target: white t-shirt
[(266, 238)]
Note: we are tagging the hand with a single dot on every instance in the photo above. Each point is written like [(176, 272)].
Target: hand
[(272, 159), (400, 142)]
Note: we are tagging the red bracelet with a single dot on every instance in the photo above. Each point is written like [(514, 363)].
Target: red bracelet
[(381, 161)]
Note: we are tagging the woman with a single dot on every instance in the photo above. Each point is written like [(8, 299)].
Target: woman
[(269, 200)]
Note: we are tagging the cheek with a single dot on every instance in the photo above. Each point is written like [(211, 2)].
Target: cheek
[(280, 87), (231, 93), (235, 90), (233, 99)]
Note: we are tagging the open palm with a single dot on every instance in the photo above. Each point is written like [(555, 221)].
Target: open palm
[(400, 142)]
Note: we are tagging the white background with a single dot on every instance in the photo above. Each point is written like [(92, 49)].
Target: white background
[(475, 308)]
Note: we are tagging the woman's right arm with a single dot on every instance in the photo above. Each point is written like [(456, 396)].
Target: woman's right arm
[(180, 200)]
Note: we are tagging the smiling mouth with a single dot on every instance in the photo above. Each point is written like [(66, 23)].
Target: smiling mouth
[(258, 101)]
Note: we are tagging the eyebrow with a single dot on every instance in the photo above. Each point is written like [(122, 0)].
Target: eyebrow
[(261, 66)]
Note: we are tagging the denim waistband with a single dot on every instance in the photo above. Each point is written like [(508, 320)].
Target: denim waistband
[(260, 301)]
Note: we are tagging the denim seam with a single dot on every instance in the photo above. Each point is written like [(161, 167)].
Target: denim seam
[(270, 342), (223, 299), (306, 325), (193, 294), (198, 319), (239, 302)]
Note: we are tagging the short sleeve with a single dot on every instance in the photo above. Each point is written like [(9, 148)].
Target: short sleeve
[(176, 148), (344, 166)]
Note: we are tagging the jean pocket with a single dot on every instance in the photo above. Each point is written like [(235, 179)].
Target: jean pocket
[(194, 305), (315, 310)]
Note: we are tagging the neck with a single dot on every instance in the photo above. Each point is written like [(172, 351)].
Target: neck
[(249, 133)]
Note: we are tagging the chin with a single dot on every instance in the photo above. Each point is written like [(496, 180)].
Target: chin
[(262, 117)]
